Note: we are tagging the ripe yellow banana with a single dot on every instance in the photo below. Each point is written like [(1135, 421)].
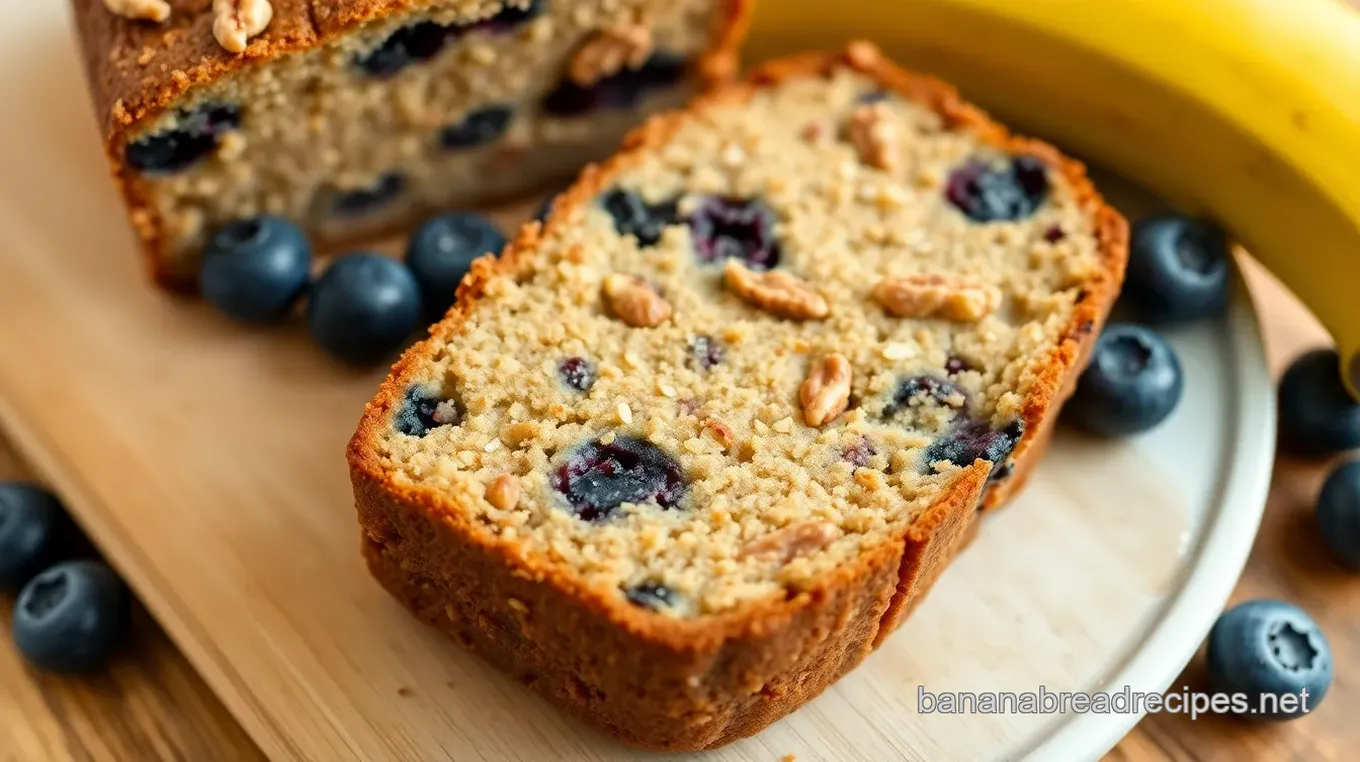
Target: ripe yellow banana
[(1247, 111)]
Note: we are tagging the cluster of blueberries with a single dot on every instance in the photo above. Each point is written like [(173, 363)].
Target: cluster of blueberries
[(1179, 271), (72, 610), (364, 306)]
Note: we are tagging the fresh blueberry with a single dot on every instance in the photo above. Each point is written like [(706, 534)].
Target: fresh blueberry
[(477, 128), (423, 409), (955, 365), (1133, 383), (33, 529), (599, 477), (410, 44), (706, 352), (971, 440), (424, 40), (1178, 269), (733, 228), (622, 90), (1268, 647), (577, 372), (986, 193), (71, 617), (441, 253), (356, 203), (196, 136), (921, 388), (254, 270), (634, 216), (1338, 513), (363, 308), (652, 595), (1317, 415)]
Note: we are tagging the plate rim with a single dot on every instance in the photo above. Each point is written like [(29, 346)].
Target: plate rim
[(1216, 561)]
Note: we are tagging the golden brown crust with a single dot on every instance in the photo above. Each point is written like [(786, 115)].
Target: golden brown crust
[(136, 69), (692, 684)]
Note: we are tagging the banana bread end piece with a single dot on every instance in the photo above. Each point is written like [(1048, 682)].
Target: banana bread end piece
[(692, 449), (358, 117)]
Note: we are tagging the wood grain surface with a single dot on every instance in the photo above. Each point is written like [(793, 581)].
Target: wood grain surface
[(151, 705)]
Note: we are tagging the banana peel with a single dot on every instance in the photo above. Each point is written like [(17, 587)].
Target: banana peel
[(1245, 111)]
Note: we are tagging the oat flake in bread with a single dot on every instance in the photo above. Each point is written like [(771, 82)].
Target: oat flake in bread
[(681, 528), (355, 117)]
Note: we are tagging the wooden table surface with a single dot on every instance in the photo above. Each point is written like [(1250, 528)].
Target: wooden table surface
[(150, 704)]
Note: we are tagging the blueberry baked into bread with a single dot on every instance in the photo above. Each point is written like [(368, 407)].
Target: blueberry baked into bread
[(353, 117), (686, 454)]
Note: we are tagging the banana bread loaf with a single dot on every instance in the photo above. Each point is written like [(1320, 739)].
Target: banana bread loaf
[(689, 451), (353, 117)]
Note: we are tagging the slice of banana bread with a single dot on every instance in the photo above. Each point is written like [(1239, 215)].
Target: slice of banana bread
[(689, 452), (357, 116)]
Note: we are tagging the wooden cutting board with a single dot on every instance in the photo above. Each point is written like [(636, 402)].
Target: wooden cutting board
[(207, 460)]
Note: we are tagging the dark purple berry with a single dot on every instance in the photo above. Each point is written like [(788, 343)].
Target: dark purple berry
[(408, 45), (477, 128), (971, 440), (874, 96), (634, 216), (956, 365), (578, 373), (619, 91), (598, 477), (652, 595), (920, 388), (1270, 647), (196, 136), (1133, 383), (1318, 416), (423, 409), (255, 269), (731, 228), (424, 40), (1054, 234), (860, 453), (1338, 513), (1179, 269), (363, 308), (71, 617), (706, 352), (441, 252), (356, 203), (34, 529), (986, 193)]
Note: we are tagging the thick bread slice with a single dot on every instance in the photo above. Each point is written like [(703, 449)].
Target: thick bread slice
[(686, 454)]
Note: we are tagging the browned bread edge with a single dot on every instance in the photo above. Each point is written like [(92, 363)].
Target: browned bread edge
[(137, 69), (694, 684)]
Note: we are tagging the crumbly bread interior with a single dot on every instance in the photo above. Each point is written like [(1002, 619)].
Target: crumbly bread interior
[(555, 365), (347, 152)]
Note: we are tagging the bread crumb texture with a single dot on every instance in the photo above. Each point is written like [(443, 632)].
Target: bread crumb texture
[(801, 443), (430, 106)]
